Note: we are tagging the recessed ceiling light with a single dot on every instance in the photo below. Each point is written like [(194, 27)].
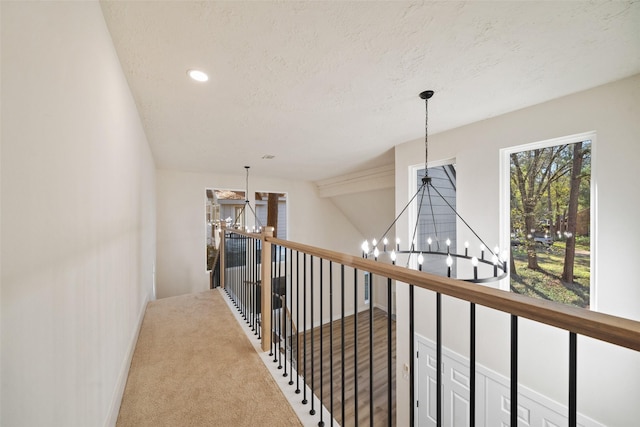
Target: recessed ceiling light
[(197, 75)]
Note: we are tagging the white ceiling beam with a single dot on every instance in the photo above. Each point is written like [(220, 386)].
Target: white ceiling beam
[(367, 180)]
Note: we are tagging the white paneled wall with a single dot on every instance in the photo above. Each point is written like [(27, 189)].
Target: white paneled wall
[(492, 395)]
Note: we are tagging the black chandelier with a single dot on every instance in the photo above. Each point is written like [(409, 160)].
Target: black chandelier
[(492, 263), (257, 228)]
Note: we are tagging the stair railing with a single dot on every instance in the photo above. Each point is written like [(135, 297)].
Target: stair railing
[(288, 281)]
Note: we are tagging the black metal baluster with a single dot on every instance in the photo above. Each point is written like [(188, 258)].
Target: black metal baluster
[(304, 319), (283, 314), (277, 293), (249, 286), (331, 338), (241, 276), (290, 300), (514, 370), (573, 379), (321, 423), (272, 352), (235, 293), (355, 343), (472, 365), (235, 287), (244, 281), (297, 322), (439, 359), (313, 389), (247, 280), (274, 316), (256, 280), (259, 296), (412, 394), (256, 288), (370, 349), (238, 270), (342, 420), (389, 356), (240, 279), (229, 276), (233, 281), (250, 263)]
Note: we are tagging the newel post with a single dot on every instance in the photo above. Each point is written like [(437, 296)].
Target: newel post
[(266, 293), (221, 251)]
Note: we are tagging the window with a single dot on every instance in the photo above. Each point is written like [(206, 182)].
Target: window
[(279, 212), (277, 202), (221, 205), (549, 204), (436, 216)]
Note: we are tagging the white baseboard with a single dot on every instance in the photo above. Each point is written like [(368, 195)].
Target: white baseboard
[(302, 411), (380, 306), (116, 400)]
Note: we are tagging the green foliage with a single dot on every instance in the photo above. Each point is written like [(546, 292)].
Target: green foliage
[(583, 242), (545, 179)]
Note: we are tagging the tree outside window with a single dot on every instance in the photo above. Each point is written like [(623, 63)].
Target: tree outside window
[(550, 192)]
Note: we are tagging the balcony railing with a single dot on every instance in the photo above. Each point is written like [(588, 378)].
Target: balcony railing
[(305, 304)]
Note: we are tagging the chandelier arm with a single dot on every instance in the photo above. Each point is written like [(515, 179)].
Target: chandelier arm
[(240, 213), (400, 214), (255, 215), (462, 219), (246, 199)]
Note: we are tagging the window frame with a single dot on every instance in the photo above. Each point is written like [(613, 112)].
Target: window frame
[(505, 201)]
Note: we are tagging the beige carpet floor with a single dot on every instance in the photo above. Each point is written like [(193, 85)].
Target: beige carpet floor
[(194, 366)]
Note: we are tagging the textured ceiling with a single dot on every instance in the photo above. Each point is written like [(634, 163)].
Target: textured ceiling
[(331, 87)]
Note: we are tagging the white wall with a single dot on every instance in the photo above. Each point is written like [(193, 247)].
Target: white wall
[(606, 392), (181, 235), (78, 217)]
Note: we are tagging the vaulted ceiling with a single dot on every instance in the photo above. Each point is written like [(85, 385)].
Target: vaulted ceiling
[(329, 88)]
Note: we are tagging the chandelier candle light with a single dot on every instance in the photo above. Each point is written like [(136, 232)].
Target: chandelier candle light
[(495, 258)]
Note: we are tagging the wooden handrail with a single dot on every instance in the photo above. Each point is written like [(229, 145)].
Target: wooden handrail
[(604, 327)]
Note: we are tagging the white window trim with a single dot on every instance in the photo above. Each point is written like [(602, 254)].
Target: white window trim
[(505, 200)]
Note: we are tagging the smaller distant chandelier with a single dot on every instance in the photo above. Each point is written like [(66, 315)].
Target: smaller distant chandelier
[(477, 265)]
